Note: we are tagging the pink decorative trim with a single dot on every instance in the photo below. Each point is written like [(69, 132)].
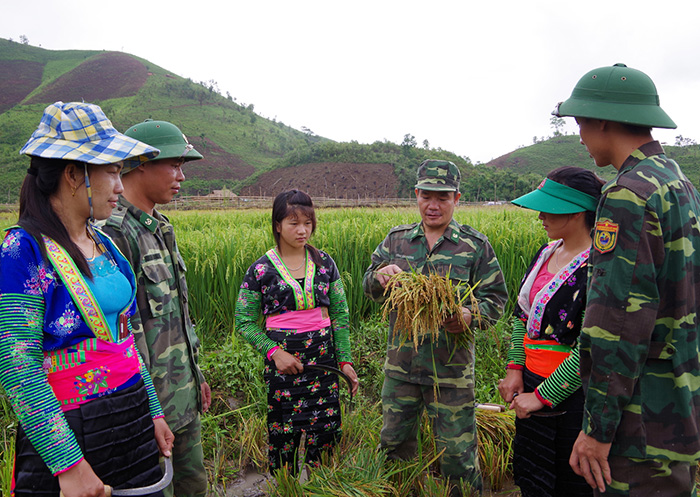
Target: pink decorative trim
[(96, 368), (69, 467), (272, 351), (536, 314), (301, 321)]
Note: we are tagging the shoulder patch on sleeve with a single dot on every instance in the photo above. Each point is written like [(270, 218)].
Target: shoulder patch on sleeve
[(605, 237)]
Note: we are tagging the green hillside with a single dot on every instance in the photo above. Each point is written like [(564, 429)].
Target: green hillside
[(566, 150), (243, 151), (235, 141), (549, 154), (239, 146)]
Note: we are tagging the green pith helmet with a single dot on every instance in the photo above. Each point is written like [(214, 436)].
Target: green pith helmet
[(618, 93), (165, 136), (438, 175)]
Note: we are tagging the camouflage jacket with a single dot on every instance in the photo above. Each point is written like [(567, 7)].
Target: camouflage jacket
[(162, 325), (640, 345), (467, 256)]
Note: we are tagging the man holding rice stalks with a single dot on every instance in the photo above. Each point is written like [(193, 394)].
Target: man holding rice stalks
[(435, 370)]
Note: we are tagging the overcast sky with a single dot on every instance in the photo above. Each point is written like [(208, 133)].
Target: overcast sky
[(476, 78)]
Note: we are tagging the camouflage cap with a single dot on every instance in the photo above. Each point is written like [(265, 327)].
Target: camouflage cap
[(438, 175)]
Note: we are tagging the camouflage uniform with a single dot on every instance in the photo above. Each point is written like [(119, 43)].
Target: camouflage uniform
[(410, 375), (162, 326), (640, 343)]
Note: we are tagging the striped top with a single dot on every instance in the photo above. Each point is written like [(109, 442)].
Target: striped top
[(547, 322), (38, 321)]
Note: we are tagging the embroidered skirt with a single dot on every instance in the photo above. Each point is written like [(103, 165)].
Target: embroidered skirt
[(302, 403), (542, 447), (116, 435)]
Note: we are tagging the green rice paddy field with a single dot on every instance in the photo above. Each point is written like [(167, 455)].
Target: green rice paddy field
[(218, 247)]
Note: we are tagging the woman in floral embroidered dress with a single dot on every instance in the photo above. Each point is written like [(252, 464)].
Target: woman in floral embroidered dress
[(86, 404), (542, 383), (297, 288)]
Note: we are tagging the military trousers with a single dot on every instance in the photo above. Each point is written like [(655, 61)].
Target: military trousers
[(646, 477), (189, 475), (452, 417)]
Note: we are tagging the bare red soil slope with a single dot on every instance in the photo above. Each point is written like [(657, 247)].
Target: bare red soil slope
[(325, 179), (107, 75), (18, 78), (217, 163)]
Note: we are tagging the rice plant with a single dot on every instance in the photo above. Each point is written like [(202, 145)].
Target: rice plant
[(219, 246), (7, 444), (495, 434), (422, 302)]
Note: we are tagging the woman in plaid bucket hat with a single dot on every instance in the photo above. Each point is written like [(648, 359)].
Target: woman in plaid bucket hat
[(88, 412)]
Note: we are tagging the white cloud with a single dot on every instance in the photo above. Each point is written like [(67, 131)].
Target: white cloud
[(479, 79)]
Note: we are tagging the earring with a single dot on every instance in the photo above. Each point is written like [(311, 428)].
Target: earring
[(73, 190)]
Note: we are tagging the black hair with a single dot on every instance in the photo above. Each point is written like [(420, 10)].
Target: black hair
[(293, 203), (36, 214), (582, 180), (635, 129)]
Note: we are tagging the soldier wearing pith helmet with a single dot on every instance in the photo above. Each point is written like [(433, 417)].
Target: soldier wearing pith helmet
[(164, 332), (640, 342), (436, 244)]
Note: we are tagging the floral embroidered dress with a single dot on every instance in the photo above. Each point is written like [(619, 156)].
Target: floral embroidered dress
[(546, 324), (546, 327), (51, 360), (306, 402)]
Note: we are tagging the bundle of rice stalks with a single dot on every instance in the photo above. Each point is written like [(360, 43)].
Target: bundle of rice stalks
[(423, 302), (495, 436), (361, 473)]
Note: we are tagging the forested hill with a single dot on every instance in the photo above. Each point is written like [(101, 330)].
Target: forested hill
[(566, 150), (235, 141), (245, 152)]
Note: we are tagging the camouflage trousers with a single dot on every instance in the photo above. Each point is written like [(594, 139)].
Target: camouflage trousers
[(645, 477), (452, 416), (189, 475)]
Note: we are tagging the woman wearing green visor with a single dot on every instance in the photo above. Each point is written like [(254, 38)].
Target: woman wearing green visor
[(542, 382)]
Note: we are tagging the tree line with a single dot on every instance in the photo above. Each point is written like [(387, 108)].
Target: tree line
[(479, 182)]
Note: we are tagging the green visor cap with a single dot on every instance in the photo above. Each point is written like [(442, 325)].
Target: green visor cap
[(554, 198), (618, 93), (438, 176)]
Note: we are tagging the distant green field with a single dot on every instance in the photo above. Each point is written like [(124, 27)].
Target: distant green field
[(7, 219), (218, 246)]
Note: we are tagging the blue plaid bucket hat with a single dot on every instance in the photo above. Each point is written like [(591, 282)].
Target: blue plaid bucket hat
[(81, 132)]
